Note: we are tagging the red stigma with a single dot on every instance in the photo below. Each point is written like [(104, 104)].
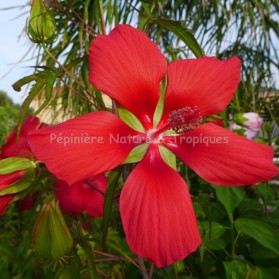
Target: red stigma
[(185, 119)]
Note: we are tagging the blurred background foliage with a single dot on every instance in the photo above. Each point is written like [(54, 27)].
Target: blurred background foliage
[(239, 226)]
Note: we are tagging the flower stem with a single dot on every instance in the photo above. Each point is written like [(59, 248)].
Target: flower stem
[(143, 268), (101, 12), (233, 240), (93, 274)]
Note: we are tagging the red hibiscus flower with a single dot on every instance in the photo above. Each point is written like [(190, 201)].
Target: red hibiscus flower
[(83, 196), (7, 180), (155, 204), (20, 147), (16, 148)]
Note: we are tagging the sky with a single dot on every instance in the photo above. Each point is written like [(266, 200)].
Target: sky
[(13, 47)]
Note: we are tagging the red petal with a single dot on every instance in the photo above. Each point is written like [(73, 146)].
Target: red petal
[(20, 147), (85, 146), (81, 197), (206, 82), (227, 159), (4, 202), (128, 66), (7, 180), (157, 213)]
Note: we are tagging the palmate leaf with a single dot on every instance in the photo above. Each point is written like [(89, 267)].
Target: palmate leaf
[(181, 32)]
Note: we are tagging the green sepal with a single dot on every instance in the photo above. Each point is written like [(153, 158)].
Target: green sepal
[(51, 237), (160, 106), (136, 154), (168, 156), (24, 183), (130, 119), (13, 164)]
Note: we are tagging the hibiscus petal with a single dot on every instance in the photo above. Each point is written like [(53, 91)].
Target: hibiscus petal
[(221, 157), (128, 66), (206, 82), (70, 197), (94, 202), (82, 197), (20, 148), (85, 146), (157, 213), (4, 202)]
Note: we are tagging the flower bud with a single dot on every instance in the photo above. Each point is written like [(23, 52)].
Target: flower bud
[(41, 26), (251, 122), (51, 236)]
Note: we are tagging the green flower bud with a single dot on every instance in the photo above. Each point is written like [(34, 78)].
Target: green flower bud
[(41, 25), (51, 236)]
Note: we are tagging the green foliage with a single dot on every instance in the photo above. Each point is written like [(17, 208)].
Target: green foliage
[(265, 234), (9, 113), (239, 225), (230, 197)]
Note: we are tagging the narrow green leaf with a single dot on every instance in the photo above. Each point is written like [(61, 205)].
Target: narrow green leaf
[(33, 92), (130, 119), (17, 85), (48, 91), (13, 164), (108, 201), (182, 33), (230, 197), (260, 231)]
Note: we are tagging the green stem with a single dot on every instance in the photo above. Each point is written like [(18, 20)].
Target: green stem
[(237, 101), (101, 12), (233, 240), (188, 181), (143, 268), (93, 274)]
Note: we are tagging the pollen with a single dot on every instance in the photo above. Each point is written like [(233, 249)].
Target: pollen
[(185, 119)]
